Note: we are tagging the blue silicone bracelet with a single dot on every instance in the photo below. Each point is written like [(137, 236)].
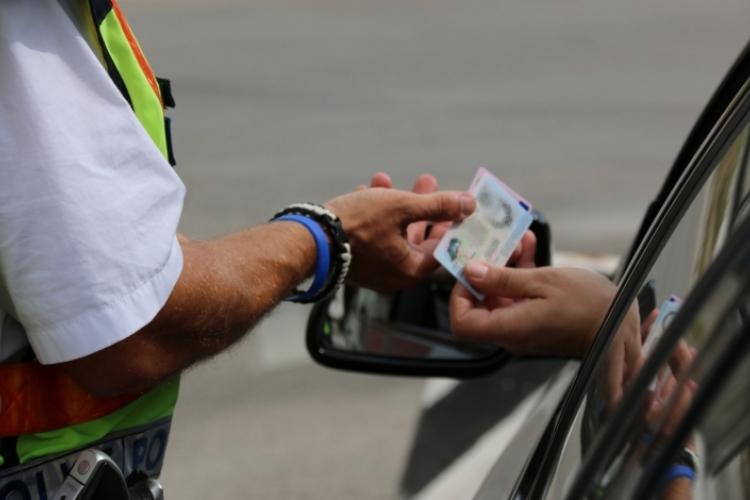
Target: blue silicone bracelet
[(676, 471), (324, 255)]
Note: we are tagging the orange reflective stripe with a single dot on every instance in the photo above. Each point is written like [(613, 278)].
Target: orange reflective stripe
[(147, 71), (39, 398)]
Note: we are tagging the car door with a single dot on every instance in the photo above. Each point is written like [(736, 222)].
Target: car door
[(700, 208), (685, 434)]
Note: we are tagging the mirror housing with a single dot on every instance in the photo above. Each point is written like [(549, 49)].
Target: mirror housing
[(407, 333)]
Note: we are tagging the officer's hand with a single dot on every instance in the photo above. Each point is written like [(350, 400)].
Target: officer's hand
[(377, 222), (416, 232)]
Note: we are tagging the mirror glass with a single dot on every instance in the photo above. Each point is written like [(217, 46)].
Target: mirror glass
[(411, 324)]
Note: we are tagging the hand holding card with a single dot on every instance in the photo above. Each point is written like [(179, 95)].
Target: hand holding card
[(491, 233), (667, 312)]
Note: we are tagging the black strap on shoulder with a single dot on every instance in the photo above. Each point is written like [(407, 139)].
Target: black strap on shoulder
[(165, 88), (168, 135)]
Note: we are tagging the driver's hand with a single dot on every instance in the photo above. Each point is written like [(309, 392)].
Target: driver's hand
[(544, 310)]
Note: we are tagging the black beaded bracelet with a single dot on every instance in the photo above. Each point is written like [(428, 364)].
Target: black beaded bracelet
[(341, 254)]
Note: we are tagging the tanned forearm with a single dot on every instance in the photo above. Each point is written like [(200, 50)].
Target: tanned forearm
[(225, 287)]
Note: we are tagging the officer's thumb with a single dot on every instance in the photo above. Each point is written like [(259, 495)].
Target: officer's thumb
[(437, 207)]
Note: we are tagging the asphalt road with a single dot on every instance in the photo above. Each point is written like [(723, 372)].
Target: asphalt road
[(579, 105)]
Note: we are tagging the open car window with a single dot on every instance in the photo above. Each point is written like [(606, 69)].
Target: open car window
[(705, 210)]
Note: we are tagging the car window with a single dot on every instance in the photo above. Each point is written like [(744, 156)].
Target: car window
[(690, 435), (715, 202)]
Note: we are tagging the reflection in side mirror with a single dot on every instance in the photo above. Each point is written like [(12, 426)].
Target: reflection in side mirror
[(363, 330), (368, 329), (407, 333)]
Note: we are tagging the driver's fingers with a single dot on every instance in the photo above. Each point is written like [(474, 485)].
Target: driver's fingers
[(647, 323), (503, 321), (502, 281), (471, 320), (634, 358), (613, 381), (681, 358)]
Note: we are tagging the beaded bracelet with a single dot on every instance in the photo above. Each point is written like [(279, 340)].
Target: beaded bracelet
[(339, 255)]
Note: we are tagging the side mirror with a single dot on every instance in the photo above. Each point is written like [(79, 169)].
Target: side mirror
[(407, 333)]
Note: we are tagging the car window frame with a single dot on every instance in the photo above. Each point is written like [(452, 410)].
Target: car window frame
[(689, 172)]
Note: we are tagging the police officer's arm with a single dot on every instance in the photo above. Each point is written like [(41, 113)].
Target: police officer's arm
[(227, 285)]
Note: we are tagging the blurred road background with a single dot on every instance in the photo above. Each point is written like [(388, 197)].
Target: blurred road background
[(578, 105)]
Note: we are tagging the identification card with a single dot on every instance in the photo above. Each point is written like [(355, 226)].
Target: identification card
[(667, 312), (490, 234)]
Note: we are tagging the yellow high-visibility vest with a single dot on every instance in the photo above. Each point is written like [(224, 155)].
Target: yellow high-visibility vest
[(130, 71)]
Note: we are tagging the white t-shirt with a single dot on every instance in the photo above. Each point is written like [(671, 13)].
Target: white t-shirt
[(88, 205)]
